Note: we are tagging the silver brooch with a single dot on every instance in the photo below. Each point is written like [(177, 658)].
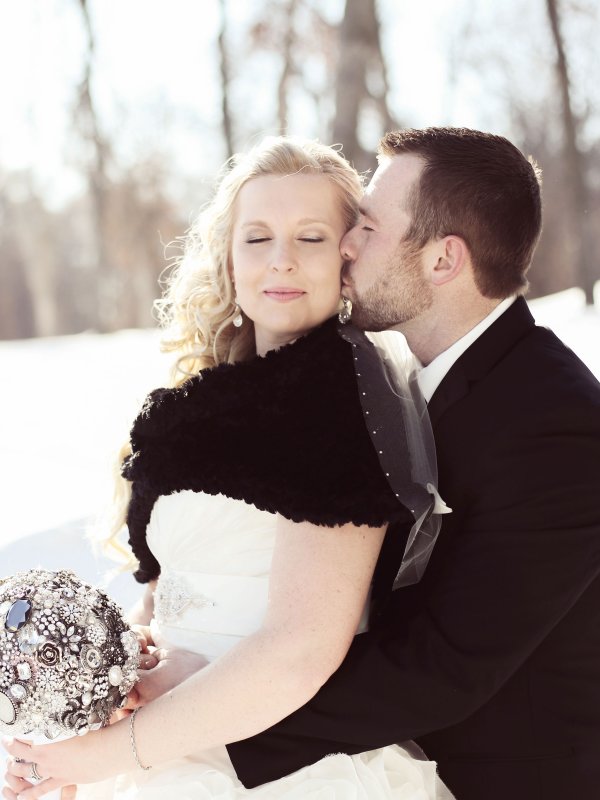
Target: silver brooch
[(173, 596)]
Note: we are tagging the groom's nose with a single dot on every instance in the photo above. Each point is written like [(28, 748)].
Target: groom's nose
[(348, 245)]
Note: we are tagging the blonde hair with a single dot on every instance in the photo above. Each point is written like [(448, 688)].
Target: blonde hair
[(198, 306)]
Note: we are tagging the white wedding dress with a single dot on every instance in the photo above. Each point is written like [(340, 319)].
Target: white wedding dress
[(215, 555)]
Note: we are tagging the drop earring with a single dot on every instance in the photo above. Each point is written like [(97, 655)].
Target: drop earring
[(345, 314), (238, 319)]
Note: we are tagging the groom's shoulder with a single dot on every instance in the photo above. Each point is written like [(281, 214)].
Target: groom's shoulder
[(515, 348), (547, 353), (547, 369), (519, 365)]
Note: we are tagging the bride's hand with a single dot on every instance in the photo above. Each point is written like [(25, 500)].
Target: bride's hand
[(144, 637), (148, 660), (15, 786), (61, 765), (172, 668)]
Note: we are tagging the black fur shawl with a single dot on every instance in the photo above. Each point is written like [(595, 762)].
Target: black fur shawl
[(284, 432)]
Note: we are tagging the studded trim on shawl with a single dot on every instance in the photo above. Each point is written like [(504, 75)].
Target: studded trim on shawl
[(284, 432)]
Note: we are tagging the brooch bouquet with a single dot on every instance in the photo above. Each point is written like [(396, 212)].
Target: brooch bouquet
[(67, 657)]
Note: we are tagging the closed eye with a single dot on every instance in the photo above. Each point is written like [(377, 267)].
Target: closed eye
[(257, 240), (311, 239)]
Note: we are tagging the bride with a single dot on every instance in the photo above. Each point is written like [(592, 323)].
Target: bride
[(261, 490)]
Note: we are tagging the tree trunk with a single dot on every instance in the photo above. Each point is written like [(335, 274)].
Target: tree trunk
[(360, 56), (288, 67), (87, 118), (41, 265), (17, 313), (224, 71), (575, 162)]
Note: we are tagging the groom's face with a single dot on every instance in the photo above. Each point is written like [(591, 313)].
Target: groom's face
[(384, 275)]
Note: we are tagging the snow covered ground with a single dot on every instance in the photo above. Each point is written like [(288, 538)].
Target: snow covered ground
[(66, 406), (65, 409)]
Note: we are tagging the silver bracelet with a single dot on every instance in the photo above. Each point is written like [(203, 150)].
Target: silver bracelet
[(132, 739)]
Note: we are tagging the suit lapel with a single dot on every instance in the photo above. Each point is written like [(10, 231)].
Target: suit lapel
[(453, 387), (481, 356)]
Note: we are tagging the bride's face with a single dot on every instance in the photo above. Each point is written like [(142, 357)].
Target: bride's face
[(285, 255)]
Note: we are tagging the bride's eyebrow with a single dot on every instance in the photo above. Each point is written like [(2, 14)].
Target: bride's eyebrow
[(313, 221), (305, 221)]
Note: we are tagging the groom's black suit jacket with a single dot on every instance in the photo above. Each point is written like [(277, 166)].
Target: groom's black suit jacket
[(492, 661)]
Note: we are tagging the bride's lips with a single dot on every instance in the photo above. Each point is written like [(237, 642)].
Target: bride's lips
[(283, 294)]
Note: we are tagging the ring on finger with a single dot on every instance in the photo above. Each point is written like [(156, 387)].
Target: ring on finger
[(35, 775)]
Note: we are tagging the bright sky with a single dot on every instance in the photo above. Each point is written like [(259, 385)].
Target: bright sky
[(158, 88)]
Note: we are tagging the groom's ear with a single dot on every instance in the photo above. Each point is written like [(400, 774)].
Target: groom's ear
[(448, 258)]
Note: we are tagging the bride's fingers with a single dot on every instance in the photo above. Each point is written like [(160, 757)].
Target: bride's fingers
[(40, 789), (148, 661), (144, 636), (20, 769), (133, 700), (16, 785), (18, 778), (118, 715), (68, 792), (18, 749)]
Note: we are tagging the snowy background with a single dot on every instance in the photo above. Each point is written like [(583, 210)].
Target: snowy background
[(66, 407)]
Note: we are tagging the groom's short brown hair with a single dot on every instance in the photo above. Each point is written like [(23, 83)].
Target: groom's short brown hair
[(480, 187)]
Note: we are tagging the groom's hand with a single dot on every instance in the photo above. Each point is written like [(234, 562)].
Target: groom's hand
[(161, 671)]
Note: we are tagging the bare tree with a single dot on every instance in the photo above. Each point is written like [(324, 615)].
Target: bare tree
[(227, 121), (288, 68), (304, 42), (553, 268), (575, 161), (29, 241), (361, 66), (89, 126), (17, 316)]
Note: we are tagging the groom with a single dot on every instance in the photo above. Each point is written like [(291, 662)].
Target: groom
[(492, 661)]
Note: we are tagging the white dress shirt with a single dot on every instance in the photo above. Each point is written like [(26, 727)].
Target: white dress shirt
[(431, 376)]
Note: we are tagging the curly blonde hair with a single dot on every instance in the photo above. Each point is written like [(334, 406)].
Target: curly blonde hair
[(198, 306)]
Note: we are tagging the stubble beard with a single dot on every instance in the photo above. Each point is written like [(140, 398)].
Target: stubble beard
[(399, 296)]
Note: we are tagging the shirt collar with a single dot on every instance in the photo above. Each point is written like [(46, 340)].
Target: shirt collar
[(431, 376)]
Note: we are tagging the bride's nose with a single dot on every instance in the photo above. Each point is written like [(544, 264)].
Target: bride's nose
[(283, 259)]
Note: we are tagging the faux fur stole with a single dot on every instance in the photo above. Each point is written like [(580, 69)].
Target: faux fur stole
[(284, 432)]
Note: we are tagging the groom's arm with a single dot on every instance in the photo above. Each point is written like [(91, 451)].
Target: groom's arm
[(521, 558)]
